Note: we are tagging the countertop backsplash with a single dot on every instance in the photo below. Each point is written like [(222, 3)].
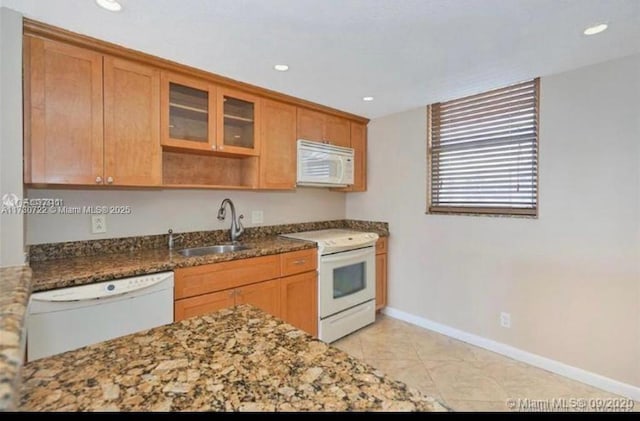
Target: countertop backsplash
[(51, 251)]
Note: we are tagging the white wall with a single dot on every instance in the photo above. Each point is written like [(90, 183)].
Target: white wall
[(155, 211), (11, 226), (571, 278)]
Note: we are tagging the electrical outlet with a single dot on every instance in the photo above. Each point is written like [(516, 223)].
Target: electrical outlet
[(505, 319), (98, 224), (257, 217)]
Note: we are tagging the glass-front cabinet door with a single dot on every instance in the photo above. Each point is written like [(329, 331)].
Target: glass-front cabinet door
[(238, 129), (188, 113)]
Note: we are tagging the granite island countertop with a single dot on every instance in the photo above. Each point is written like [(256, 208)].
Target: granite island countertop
[(15, 287), (232, 360), (73, 271)]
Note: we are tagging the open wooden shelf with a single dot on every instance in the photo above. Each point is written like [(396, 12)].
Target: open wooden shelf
[(188, 170)]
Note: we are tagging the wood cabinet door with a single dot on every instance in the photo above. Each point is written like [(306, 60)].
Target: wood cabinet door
[(203, 304), (238, 123), (299, 301), (337, 131), (187, 112), (63, 113), (278, 146), (264, 295), (358, 136), (310, 125), (381, 281), (359, 145), (132, 152)]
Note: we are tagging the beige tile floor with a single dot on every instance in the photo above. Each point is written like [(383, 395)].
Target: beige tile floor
[(460, 375)]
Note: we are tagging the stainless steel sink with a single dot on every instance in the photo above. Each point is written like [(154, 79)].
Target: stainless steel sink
[(217, 249)]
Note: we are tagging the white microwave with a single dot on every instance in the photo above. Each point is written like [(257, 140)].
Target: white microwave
[(324, 165)]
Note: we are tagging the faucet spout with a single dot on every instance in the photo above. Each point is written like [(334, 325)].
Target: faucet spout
[(236, 226)]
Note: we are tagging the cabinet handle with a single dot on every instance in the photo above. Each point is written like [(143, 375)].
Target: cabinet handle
[(221, 147), (98, 180), (109, 180), (299, 262), (213, 147), (232, 293)]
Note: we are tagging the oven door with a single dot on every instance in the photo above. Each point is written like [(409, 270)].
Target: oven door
[(346, 279)]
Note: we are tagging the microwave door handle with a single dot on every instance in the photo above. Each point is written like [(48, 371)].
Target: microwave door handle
[(341, 177)]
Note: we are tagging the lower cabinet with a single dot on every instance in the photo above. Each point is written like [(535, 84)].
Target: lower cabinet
[(381, 273), (299, 301), (203, 304), (290, 296), (264, 295)]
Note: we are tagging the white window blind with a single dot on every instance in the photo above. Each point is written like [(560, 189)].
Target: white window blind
[(483, 152)]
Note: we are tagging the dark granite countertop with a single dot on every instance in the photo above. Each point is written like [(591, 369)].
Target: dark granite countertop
[(73, 271), (60, 265), (239, 359), (15, 286)]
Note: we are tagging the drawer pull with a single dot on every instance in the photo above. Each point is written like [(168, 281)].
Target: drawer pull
[(299, 262)]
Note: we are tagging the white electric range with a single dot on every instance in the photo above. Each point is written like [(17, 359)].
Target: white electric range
[(346, 280)]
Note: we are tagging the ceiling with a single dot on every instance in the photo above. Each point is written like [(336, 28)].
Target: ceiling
[(405, 53)]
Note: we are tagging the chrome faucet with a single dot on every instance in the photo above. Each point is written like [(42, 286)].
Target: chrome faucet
[(236, 226), (173, 238)]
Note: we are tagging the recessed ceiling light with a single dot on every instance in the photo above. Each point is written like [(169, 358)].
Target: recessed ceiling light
[(281, 67), (110, 5), (596, 29), (367, 98)]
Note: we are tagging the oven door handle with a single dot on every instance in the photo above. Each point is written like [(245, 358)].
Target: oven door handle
[(347, 255)]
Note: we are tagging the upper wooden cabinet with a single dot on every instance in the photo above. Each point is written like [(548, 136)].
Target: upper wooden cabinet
[(99, 114), (359, 145), (63, 114), (321, 127), (188, 107), (89, 118), (197, 115), (358, 137), (238, 116), (132, 153), (278, 146)]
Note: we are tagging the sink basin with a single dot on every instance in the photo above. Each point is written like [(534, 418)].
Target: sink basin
[(218, 249)]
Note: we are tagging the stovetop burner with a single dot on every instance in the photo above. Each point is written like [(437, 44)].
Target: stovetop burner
[(336, 240)]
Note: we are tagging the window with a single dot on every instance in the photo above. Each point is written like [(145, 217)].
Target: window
[(483, 153)]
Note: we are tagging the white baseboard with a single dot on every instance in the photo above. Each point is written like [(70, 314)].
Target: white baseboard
[(548, 364)]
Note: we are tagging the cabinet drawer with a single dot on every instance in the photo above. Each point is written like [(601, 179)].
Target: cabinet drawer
[(199, 280), (299, 261), (381, 245)]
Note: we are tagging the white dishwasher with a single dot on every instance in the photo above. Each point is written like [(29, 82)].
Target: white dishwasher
[(68, 318)]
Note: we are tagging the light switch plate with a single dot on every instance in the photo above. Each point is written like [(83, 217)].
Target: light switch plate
[(257, 217), (98, 224)]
